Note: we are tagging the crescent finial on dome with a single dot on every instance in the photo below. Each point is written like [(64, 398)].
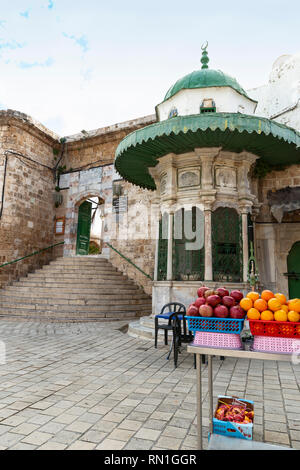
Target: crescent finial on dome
[(204, 59)]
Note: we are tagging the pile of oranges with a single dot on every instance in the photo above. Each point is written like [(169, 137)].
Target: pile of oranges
[(270, 307)]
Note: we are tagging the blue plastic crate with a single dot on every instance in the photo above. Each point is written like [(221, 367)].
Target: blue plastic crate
[(215, 325)]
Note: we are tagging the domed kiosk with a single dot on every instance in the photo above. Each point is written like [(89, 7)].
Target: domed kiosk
[(198, 158)]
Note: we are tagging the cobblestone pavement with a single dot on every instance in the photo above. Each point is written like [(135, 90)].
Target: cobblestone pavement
[(90, 386)]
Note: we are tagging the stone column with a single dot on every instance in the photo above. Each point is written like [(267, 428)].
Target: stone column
[(156, 250), (170, 247), (208, 270), (245, 243)]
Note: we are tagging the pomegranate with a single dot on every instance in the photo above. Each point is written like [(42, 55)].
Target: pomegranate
[(201, 290), (228, 301), (192, 311), (221, 291), (206, 311), (213, 300), (237, 295), (200, 301), (237, 312), (221, 311), (209, 292)]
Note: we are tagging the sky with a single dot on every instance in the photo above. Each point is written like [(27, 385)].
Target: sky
[(79, 65)]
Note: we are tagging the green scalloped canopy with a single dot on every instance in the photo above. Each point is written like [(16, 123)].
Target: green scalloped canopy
[(275, 143), (205, 78)]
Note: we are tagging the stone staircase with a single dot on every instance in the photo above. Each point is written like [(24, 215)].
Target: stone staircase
[(75, 289)]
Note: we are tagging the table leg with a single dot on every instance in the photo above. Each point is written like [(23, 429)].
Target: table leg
[(199, 401), (210, 394)]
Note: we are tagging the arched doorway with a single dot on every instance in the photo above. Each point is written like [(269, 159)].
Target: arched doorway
[(293, 265), (89, 226)]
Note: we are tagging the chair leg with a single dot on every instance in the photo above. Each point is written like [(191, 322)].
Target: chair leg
[(155, 333), (166, 337), (195, 366)]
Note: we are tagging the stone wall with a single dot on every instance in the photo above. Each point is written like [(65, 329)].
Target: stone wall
[(133, 235), (28, 212), (274, 239)]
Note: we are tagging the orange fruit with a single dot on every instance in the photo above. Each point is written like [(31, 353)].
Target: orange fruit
[(260, 305), (280, 315), (267, 295), (293, 316), (253, 295), (281, 298), (274, 304), (285, 308), (294, 304), (267, 315), (253, 314), (246, 303)]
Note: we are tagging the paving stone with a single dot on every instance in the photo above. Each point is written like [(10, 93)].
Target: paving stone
[(121, 434), (276, 437), (37, 438), (82, 445), (93, 436), (109, 444)]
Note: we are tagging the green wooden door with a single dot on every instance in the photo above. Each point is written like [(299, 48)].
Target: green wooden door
[(84, 228), (293, 263)]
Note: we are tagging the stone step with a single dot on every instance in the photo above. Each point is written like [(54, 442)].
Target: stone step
[(70, 289), (75, 305), (80, 275), (55, 315), (80, 262), (67, 282), (75, 289), (144, 328), (78, 270), (93, 296)]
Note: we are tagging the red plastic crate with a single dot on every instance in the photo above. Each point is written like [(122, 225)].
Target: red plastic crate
[(281, 329)]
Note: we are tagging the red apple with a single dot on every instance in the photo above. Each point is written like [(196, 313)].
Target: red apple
[(228, 301), (221, 311), (200, 301), (213, 300), (201, 290), (221, 291), (192, 311), (237, 312), (206, 311), (237, 295)]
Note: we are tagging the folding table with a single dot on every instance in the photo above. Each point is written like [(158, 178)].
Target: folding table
[(210, 352)]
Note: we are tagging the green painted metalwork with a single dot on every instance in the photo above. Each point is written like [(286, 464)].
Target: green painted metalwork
[(205, 78), (129, 261), (162, 249), (293, 264), (187, 264), (84, 228), (275, 143), (31, 254), (226, 245), (204, 59), (253, 274)]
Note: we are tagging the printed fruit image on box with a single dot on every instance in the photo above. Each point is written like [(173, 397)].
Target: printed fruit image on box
[(234, 417)]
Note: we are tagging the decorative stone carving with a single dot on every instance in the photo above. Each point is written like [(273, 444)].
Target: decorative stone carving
[(163, 183), (225, 177), (187, 178)]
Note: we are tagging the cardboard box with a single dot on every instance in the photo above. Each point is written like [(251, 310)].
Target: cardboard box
[(229, 428)]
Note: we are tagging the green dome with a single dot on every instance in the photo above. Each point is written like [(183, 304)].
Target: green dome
[(205, 78)]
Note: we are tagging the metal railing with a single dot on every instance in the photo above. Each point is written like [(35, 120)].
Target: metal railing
[(31, 254), (129, 261)]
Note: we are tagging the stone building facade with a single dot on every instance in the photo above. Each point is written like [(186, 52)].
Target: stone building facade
[(44, 179)]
